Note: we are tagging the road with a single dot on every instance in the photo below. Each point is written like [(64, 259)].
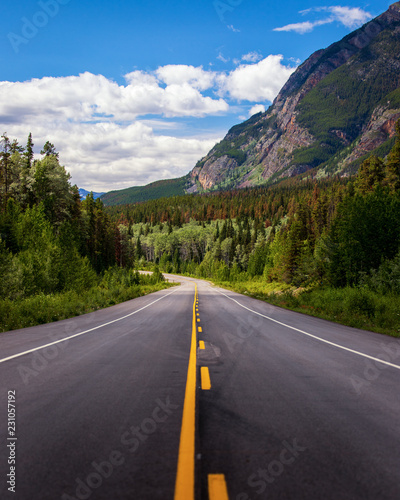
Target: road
[(196, 392)]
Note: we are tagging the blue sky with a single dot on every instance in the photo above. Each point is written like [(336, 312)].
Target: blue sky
[(131, 92)]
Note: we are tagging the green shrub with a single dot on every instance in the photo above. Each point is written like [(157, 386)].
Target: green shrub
[(358, 301)]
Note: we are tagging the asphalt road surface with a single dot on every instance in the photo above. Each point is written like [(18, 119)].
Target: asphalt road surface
[(196, 392)]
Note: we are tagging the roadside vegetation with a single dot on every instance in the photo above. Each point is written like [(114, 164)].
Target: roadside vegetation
[(58, 256), (358, 307), (114, 287)]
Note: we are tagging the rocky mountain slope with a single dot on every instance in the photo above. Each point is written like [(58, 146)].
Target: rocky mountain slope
[(341, 104)]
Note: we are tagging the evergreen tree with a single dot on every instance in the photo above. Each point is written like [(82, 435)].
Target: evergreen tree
[(15, 147), (139, 251), (365, 231), (49, 150), (370, 175), (29, 151), (5, 165)]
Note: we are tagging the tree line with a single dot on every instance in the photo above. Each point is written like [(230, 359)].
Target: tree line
[(337, 231)]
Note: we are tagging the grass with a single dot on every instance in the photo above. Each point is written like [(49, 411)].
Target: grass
[(41, 308), (355, 307)]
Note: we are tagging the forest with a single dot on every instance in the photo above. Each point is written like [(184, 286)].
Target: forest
[(328, 247), (57, 253)]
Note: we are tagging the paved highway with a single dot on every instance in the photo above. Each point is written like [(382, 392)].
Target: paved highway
[(196, 392)]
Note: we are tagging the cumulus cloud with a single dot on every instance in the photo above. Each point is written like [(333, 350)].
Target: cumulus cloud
[(89, 96), (348, 16), (104, 156), (258, 108), (351, 17), (256, 82), (180, 74), (112, 135)]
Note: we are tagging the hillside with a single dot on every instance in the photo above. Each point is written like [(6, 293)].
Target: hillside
[(340, 105), (153, 191)]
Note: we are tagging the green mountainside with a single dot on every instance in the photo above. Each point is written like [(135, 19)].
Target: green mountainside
[(340, 105), (153, 191)]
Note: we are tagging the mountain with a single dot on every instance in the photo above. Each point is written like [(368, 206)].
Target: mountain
[(340, 105), (158, 189), (83, 193)]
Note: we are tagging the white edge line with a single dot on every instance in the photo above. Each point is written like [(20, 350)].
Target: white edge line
[(86, 331), (313, 336)]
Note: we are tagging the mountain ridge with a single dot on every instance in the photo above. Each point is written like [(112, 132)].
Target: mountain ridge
[(288, 140), (136, 194)]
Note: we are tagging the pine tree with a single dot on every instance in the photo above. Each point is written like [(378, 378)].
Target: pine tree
[(29, 151), (370, 175), (5, 164), (15, 147), (49, 150)]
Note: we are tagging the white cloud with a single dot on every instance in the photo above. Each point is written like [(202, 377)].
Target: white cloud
[(112, 136), (181, 74), (107, 156), (87, 96), (350, 17), (304, 27), (256, 82), (252, 57), (258, 108)]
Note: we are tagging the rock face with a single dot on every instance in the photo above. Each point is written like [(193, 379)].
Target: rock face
[(214, 171), (381, 126), (343, 101)]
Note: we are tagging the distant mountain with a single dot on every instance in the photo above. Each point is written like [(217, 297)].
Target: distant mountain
[(83, 193), (340, 105), (158, 189)]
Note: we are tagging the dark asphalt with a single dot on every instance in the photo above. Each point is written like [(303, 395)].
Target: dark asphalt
[(288, 416)]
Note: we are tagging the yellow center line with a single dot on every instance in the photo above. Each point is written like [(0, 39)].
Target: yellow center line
[(184, 485), (205, 378), (217, 489), (200, 329), (201, 344)]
